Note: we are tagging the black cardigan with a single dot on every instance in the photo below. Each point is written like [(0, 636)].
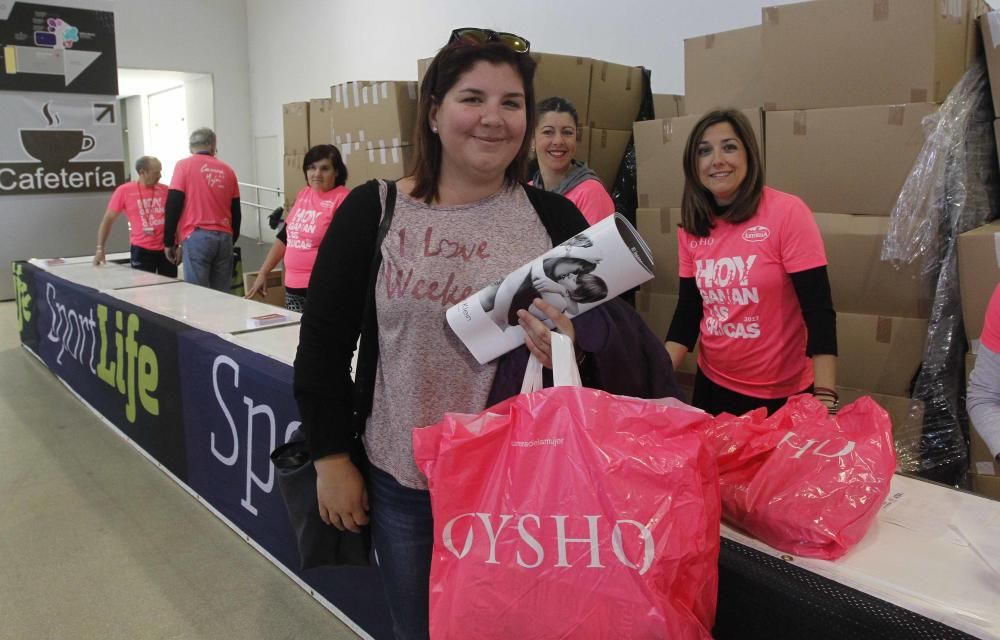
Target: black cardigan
[(334, 408)]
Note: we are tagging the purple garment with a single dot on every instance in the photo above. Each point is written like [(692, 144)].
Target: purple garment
[(623, 357)]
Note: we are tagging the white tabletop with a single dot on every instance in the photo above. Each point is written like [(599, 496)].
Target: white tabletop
[(107, 276), (932, 550), (207, 309), (279, 343)]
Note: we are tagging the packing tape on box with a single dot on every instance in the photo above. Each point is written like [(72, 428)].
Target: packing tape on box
[(381, 155), (897, 112), (710, 41), (411, 90), (771, 16), (996, 246), (357, 100), (604, 138), (954, 10), (883, 330), (604, 71), (993, 19), (364, 93), (385, 90), (336, 93), (799, 123), (396, 142), (880, 10), (668, 130), (665, 221)]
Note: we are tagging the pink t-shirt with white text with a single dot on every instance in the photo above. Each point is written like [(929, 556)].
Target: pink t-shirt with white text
[(305, 227), (991, 327), (143, 207), (592, 199), (209, 186), (753, 336)]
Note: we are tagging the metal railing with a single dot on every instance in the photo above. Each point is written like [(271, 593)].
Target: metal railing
[(257, 189)]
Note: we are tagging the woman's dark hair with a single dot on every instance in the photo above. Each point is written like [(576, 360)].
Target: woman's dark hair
[(590, 287), (698, 207), (557, 105), (444, 71), (326, 152)]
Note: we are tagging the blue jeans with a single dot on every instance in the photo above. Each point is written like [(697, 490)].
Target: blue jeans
[(403, 534), (208, 259)]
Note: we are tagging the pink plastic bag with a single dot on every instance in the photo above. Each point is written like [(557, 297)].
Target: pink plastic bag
[(571, 513), (802, 481)]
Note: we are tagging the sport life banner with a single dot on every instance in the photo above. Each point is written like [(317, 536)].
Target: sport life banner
[(52, 143), (23, 274), (120, 359), (238, 406), (57, 49)]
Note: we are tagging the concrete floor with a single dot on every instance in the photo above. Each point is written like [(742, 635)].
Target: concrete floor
[(95, 542)]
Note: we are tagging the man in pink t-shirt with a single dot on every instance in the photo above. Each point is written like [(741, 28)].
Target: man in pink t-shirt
[(143, 203), (204, 199)]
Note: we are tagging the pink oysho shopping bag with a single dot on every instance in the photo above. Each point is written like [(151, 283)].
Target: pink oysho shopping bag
[(571, 513), (803, 481)]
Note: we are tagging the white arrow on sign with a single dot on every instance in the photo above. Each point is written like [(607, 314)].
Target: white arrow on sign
[(68, 63)]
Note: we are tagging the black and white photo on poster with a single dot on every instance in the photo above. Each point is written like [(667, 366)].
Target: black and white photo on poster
[(59, 143), (587, 270)]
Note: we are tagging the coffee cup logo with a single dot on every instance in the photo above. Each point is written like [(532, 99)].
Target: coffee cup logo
[(55, 147)]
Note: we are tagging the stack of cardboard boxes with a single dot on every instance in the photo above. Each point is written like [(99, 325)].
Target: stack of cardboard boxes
[(295, 121), (607, 97), (979, 273), (836, 91)]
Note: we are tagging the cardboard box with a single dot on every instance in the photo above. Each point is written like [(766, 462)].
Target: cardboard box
[(607, 149), (389, 114), (659, 152), (835, 53), (615, 96), (847, 160), (723, 70), (656, 309), (320, 127), (879, 353), (668, 105), (906, 414), (275, 286), (295, 127), (986, 486), (566, 77), (658, 227), (356, 160), (294, 179), (974, 40), (838, 53), (422, 65), (860, 281), (583, 145), (390, 163), (978, 274), (345, 112)]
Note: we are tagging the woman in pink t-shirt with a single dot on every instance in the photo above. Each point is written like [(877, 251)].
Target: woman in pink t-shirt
[(555, 145), (754, 289), (297, 241)]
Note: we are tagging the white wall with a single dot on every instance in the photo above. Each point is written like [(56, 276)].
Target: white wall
[(301, 47), (197, 36)]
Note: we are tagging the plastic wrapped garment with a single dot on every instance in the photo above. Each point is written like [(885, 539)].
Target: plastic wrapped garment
[(571, 513), (803, 481), (952, 189)]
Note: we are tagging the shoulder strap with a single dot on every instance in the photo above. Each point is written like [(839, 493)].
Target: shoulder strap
[(364, 375)]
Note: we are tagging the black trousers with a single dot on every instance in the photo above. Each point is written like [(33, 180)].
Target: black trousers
[(152, 261), (715, 398)]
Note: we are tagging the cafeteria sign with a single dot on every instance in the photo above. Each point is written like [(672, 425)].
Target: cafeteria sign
[(59, 143)]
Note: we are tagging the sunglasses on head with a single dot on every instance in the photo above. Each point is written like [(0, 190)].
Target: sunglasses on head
[(473, 35)]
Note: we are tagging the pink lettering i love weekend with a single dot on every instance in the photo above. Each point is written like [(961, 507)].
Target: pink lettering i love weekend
[(399, 281)]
